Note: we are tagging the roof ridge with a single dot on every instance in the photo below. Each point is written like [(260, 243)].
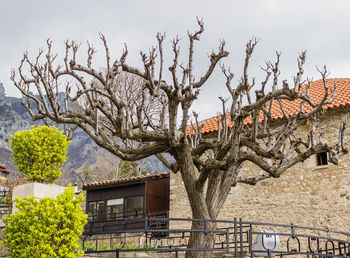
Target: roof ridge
[(122, 180)]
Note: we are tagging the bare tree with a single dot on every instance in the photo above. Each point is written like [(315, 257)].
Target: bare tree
[(130, 89), (110, 167), (85, 174), (107, 167), (209, 166)]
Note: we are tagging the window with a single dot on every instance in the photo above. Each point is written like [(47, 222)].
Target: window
[(322, 159), (115, 209), (112, 209), (96, 210), (134, 207)]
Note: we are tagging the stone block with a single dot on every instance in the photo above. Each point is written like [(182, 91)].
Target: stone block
[(35, 189)]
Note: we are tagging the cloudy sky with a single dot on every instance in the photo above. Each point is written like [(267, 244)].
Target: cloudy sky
[(320, 27)]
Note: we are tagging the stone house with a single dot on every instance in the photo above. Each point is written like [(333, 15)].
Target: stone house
[(314, 193)]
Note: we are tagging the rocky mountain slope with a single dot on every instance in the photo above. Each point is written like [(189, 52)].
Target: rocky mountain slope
[(82, 150)]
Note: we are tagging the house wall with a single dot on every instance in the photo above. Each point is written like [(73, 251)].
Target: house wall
[(104, 194), (303, 195), (157, 196), (115, 192)]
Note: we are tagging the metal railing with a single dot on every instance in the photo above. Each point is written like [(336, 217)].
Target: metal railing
[(5, 201), (116, 216), (237, 237), (119, 222)]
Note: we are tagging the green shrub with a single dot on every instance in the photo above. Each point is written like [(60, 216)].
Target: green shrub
[(46, 228), (39, 152)]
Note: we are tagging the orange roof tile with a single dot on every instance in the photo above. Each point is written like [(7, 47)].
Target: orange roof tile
[(316, 93), (3, 169)]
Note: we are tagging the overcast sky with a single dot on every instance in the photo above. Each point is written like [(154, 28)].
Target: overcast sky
[(320, 27)]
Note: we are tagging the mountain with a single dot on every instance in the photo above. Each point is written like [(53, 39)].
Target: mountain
[(10, 119), (82, 151)]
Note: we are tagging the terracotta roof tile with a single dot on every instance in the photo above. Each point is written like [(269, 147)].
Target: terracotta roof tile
[(316, 93), (124, 180), (3, 169)]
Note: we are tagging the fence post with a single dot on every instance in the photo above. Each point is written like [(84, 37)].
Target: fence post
[(268, 253), (84, 243), (91, 227), (206, 226), (227, 240), (146, 223), (235, 227), (241, 235), (250, 240), (117, 253)]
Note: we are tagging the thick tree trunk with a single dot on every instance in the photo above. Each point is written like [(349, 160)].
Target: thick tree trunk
[(205, 202), (201, 240), (198, 240)]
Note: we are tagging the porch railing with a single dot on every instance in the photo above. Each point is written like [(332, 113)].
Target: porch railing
[(98, 224)]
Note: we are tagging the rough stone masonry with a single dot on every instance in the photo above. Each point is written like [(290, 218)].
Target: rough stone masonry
[(306, 194)]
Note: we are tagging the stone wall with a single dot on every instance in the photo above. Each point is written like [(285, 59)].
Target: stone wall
[(37, 190), (304, 195)]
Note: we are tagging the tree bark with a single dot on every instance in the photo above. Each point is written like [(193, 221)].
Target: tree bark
[(198, 205), (201, 240), (136, 168)]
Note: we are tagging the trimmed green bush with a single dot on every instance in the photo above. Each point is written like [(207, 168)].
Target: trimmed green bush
[(39, 152), (46, 228)]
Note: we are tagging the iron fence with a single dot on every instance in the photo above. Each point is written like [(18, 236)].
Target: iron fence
[(237, 237), (5, 201)]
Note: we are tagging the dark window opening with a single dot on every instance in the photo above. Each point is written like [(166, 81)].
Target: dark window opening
[(322, 158), (114, 209), (134, 207), (129, 207), (96, 210)]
